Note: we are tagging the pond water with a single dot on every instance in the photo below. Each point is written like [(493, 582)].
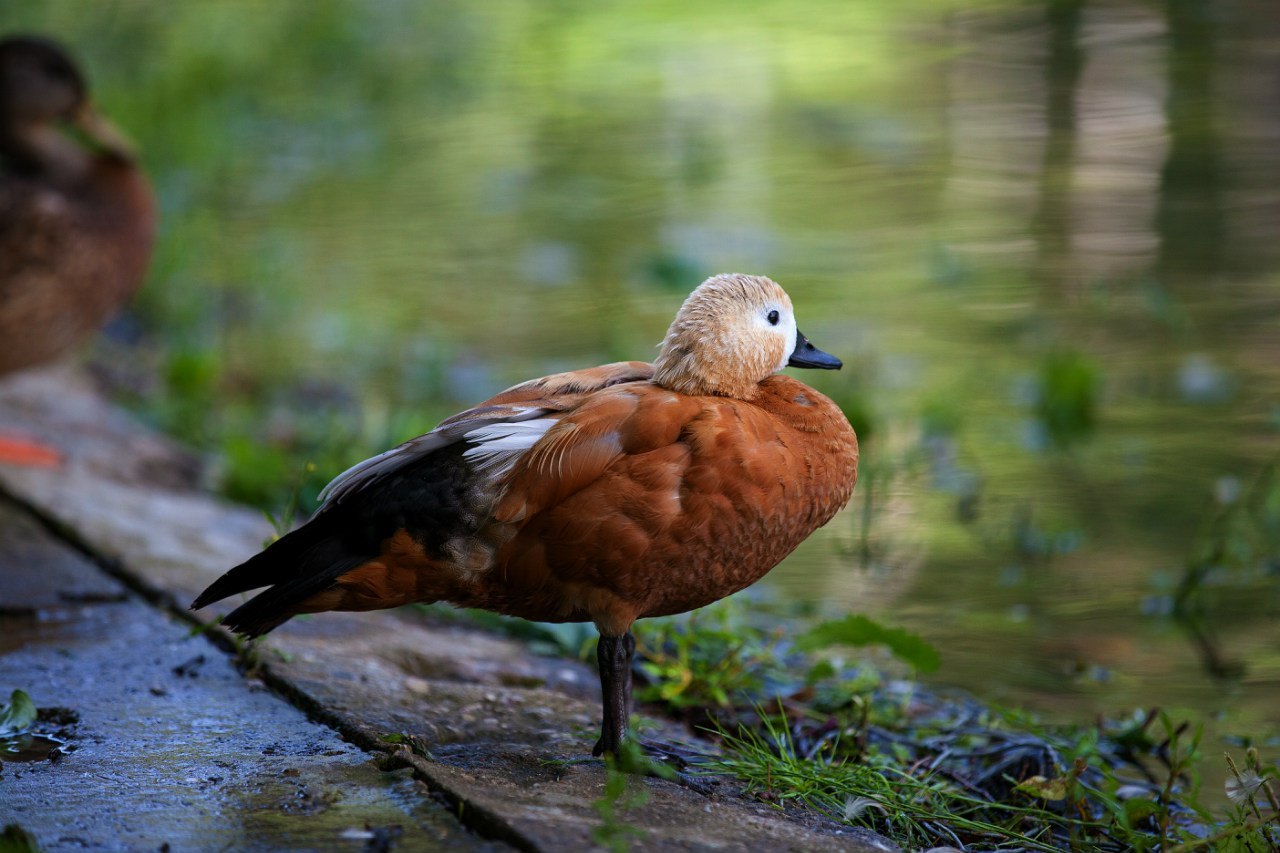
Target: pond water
[(1044, 238)]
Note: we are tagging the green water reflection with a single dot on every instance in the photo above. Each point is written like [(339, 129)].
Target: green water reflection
[(1043, 237)]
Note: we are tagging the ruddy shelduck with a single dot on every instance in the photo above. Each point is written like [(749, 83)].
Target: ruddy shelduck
[(76, 215), (604, 495)]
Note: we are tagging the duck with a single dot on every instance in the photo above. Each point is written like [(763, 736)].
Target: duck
[(77, 215), (605, 495)]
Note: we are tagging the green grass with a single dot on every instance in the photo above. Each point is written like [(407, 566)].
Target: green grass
[(804, 729)]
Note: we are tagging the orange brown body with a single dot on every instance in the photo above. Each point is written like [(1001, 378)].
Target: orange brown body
[(642, 516), (603, 495)]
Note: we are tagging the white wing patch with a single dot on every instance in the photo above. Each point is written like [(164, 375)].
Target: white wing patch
[(496, 447), (500, 440)]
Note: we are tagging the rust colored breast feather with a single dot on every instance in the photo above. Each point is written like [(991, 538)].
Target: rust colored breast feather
[(645, 502)]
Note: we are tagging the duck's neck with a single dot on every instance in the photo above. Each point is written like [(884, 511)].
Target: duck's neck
[(687, 372), (40, 149)]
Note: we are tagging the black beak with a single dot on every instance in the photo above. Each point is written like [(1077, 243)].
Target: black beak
[(807, 355)]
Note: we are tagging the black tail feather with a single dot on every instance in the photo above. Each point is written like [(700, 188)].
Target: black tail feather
[(276, 563), (273, 607), (294, 567)]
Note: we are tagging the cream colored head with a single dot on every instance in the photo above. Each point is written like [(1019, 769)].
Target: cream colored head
[(732, 332)]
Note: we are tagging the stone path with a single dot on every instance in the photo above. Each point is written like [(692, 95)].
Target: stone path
[(171, 744)]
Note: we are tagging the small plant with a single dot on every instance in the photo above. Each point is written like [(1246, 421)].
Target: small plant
[(622, 791), (718, 657), (415, 744), (706, 659), (17, 716), (1256, 810), (26, 729), (1240, 544), (283, 523), (248, 654), (15, 839)]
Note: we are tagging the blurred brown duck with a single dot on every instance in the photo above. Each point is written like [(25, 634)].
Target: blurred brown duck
[(77, 217)]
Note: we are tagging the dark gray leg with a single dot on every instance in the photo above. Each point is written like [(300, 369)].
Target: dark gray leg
[(629, 640), (613, 655)]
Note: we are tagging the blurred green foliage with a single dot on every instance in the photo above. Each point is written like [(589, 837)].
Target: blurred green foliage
[(710, 658), (859, 630), (1068, 397)]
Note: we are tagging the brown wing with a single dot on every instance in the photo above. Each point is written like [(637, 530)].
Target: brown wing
[(561, 391), (527, 401)]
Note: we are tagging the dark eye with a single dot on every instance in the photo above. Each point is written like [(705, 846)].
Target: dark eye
[(773, 318)]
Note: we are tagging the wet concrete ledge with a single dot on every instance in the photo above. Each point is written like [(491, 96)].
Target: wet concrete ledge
[(166, 743), (98, 560)]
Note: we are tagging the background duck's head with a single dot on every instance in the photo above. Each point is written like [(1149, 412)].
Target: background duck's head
[(731, 333), (40, 89)]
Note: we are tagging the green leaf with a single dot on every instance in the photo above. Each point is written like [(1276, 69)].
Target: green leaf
[(15, 839), (820, 671), (631, 759), (858, 630), (1138, 809), (17, 716), (1047, 789)]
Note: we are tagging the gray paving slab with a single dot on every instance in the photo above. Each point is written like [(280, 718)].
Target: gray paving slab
[(165, 742)]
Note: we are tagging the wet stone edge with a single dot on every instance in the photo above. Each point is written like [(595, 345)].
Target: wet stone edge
[(473, 816)]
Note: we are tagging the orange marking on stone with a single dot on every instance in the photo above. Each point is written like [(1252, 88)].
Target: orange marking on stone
[(31, 454)]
